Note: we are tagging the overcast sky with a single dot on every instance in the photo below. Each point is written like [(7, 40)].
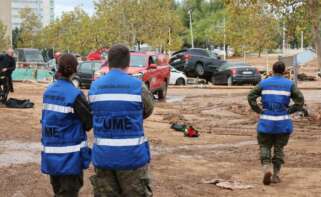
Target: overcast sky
[(69, 5)]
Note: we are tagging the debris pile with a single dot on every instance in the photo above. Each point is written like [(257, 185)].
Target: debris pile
[(305, 77)]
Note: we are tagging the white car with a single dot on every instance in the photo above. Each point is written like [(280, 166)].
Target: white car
[(177, 77), (220, 52)]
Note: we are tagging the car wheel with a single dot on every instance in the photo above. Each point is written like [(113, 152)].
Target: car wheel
[(213, 79), (180, 81), (163, 92), (199, 68), (230, 81), (76, 82)]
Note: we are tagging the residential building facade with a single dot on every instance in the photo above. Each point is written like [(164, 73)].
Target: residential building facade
[(44, 9), (5, 15)]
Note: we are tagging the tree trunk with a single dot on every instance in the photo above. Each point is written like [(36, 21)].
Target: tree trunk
[(260, 52), (314, 10)]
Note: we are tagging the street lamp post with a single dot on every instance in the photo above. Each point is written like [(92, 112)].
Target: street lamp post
[(191, 27)]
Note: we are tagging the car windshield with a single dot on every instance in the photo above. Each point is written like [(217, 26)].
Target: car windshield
[(85, 67), (97, 66), (33, 56), (137, 61)]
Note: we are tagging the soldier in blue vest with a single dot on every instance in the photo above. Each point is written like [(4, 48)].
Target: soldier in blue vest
[(275, 125), (66, 117), (121, 153)]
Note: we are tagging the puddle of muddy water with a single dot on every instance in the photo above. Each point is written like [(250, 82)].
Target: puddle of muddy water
[(174, 98), (14, 152)]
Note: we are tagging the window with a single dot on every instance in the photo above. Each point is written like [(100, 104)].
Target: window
[(137, 61), (225, 66), (105, 55), (97, 66), (200, 52), (33, 56), (152, 60), (85, 67)]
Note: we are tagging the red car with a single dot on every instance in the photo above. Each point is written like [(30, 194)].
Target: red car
[(100, 54), (152, 68)]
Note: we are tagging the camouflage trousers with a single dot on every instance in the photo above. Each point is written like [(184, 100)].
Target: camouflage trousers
[(122, 183), (66, 186), (275, 141)]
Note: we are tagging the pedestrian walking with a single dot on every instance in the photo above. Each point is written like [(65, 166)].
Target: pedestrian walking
[(8, 62), (275, 126), (66, 117), (121, 153)]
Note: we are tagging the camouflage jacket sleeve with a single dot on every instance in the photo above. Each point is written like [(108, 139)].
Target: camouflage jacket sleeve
[(252, 99), (148, 102), (298, 99)]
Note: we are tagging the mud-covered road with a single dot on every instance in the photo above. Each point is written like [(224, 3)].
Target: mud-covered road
[(226, 149)]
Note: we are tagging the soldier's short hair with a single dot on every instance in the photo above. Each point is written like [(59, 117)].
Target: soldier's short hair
[(279, 67), (118, 56)]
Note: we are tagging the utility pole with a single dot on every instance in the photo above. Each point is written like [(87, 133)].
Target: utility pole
[(295, 69), (191, 26), (302, 41), (283, 39), (224, 39)]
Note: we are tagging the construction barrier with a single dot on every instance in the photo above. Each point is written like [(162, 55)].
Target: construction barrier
[(32, 74)]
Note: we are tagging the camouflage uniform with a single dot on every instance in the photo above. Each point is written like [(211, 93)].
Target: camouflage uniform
[(126, 183), (66, 186), (266, 142), (277, 141), (118, 183)]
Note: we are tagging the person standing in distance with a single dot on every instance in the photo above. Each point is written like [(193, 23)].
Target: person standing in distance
[(9, 65), (275, 125), (121, 153), (66, 117)]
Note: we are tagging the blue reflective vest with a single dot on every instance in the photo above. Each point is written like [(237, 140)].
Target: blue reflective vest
[(276, 96), (117, 107), (64, 140)]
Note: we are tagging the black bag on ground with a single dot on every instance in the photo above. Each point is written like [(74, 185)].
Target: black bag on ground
[(178, 127), (17, 103)]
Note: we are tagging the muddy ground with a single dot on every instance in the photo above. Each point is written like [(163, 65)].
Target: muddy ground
[(226, 149)]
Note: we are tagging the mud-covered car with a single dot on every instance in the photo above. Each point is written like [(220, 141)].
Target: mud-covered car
[(150, 67), (195, 62)]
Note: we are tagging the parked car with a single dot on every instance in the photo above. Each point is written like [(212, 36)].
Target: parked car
[(86, 73), (221, 52), (100, 54), (236, 73), (195, 62), (148, 67), (27, 57), (177, 77)]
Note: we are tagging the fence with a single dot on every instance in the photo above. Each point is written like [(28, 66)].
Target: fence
[(32, 74)]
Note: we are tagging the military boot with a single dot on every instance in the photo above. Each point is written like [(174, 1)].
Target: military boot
[(276, 173), (267, 174)]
